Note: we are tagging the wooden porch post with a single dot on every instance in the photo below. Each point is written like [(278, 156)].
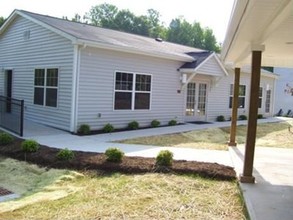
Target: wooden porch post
[(247, 177), (232, 141)]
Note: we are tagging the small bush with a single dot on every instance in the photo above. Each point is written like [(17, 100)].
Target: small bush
[(6, 138), (108, 128), (65, 154), (30, 146), (260, 116), (242, 117), (164, 158), (133, 125), (114, 155), (172, 122), (220, 118), (84, 129), (155, 123)]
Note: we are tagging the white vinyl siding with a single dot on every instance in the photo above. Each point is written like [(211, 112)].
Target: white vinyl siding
[(97, 87), (219, 95), (24, 53)]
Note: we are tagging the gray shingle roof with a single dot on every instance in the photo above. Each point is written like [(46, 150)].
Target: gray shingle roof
[(110, 37), (199, 57)]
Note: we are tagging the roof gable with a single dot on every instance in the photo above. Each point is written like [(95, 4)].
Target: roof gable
[(206, 63)]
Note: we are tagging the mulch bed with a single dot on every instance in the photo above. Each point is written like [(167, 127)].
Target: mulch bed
[(46, 156)]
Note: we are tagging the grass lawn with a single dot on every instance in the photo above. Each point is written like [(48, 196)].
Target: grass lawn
[(62, 194), (268, 135)]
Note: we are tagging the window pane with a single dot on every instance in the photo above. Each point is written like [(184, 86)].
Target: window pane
[(52, 77), (39, 77), (124, 81), (142, 101), (122, 100), (39, 96), (241, 102), (190, 99), (143, 83), (51, 97), (242, 90), (230, 102), (231, 89)]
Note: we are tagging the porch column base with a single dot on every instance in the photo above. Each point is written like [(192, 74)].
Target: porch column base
[(247, 179), (232, 144)]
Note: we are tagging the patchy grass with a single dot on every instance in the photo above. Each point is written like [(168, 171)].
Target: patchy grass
[(268, 134), (116, 196), (33, 183)]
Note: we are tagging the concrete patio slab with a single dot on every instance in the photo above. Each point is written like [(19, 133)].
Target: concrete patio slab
[(271, 197)]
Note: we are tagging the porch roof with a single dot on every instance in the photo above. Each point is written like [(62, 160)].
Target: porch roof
[(265, 25)]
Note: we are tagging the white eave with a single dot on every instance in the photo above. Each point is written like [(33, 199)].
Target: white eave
[(255, 24)]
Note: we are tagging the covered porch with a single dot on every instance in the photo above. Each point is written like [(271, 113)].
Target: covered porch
[(260, 33)]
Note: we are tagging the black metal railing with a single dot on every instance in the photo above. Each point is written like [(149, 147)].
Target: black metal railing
[(11, 114)]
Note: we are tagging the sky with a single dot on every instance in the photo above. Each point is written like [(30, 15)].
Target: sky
[(214, 14)]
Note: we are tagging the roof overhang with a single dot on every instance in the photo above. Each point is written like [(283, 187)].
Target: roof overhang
[(265, 25)]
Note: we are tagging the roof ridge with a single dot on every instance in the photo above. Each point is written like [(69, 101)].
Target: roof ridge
[(109, 29)]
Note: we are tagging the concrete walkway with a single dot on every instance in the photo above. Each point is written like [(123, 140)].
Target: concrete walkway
[(269, 199)]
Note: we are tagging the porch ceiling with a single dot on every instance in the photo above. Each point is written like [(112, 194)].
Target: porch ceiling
[(254, 23)]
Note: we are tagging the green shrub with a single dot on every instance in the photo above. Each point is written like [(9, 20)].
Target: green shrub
[(108, 128), (260, 116), (114, 155), (164, 158), (220, 118), (172, 122), (84, 129), (6, 138), (133, 125), (155, 123), (30, 146), (65, 154), (242, 117)]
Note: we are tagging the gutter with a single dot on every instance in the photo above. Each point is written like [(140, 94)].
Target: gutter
[(177, 57)]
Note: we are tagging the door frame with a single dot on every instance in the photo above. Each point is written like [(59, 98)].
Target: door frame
[(197, 117)]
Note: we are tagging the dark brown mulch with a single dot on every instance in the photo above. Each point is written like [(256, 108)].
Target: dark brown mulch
[(46, 156)]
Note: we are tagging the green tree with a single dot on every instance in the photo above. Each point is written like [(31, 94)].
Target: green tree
[(156, 28), (2, 20), (103, 15), (210, 42)]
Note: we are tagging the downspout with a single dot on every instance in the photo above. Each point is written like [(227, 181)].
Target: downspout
[(74, 92)]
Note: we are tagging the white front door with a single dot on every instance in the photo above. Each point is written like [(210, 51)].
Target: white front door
[(196, 101)]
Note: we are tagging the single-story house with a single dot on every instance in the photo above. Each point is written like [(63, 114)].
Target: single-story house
[(71, 73), (284, 90)]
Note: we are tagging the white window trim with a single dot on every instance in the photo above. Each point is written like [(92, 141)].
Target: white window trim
[(239, 96), (45, 87), (133, 91)]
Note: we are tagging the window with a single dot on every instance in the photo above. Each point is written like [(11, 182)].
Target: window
[(260, 97), (132, 91), (268, 101), (241, 98), (190, 99), (46, 87), (202, 96)]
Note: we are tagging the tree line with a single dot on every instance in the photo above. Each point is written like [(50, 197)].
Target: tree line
[(179, 30)]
